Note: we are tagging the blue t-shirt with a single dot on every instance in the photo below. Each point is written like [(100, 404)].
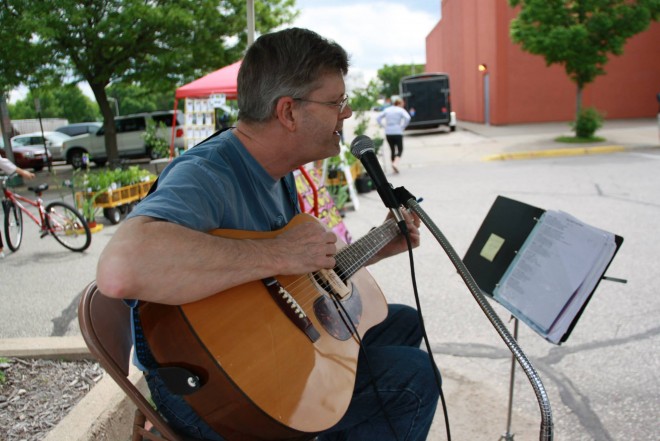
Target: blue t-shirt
[(218, 184)]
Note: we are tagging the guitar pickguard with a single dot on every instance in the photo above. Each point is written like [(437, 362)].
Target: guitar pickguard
[(332, 316)]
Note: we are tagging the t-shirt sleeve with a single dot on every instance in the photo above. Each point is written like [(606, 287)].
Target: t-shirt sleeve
[(190, 197), (7, 166)]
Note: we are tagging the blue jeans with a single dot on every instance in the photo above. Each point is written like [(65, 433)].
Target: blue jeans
[(401, 372)]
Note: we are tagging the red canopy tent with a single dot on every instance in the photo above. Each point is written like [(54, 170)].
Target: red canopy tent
[(220, 81)]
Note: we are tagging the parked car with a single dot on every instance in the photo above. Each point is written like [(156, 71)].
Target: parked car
[(29, 156), (54, 142), (76, 129), (130, 138)]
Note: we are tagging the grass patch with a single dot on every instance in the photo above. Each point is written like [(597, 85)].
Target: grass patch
[(4, 363), (579, 140)]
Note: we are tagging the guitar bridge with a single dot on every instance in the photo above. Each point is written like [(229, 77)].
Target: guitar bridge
[(291, 308)]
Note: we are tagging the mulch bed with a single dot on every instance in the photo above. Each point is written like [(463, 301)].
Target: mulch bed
[(36, 394)]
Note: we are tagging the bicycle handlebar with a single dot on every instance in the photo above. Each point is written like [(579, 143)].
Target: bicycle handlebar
[(5, 178)]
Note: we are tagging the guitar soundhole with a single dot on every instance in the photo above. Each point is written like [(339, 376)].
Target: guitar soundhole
[(332, 316)]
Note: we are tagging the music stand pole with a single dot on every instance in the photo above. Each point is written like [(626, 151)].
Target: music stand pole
[(508, 436), (546, 431)]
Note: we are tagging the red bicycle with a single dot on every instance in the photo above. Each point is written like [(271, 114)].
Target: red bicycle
[(58, 219)]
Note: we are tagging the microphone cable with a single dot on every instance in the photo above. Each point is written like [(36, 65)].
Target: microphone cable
[(425, 337), (348, 322)]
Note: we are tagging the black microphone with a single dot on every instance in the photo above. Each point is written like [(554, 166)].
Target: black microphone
[(362, 148)]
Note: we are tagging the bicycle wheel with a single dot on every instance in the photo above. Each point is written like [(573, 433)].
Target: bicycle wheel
[(67, 226), (13, 224)]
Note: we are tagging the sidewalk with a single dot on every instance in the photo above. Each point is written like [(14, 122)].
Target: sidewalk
[(525, 141), (104, 413)]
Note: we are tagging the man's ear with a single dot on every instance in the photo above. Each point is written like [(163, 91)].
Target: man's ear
[(285, 114)]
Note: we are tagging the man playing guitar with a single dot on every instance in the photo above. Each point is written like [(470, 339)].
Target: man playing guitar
[(292, 105)]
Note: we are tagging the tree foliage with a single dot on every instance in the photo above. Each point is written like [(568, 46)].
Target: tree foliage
[(155, 43), (57, 102), (580, 34), (17, 53), (135, 98), (391, 76), (365, 99)]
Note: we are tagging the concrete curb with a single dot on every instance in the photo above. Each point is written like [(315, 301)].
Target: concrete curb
[(57, 348), (569, 151), (105, 413)]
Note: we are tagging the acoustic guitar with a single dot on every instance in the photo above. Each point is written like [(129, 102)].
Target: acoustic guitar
[(276, 358)]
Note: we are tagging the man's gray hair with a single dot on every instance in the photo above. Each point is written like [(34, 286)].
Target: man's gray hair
[(284, 63)]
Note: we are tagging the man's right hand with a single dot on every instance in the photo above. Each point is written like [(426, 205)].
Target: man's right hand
[(305, 248)]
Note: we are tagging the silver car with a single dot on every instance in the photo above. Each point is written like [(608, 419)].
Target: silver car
[(54, 142)]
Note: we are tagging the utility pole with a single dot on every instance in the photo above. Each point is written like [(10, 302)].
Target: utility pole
[(5, 126)]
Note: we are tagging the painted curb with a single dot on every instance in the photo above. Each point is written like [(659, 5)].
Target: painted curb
[(556, 152)]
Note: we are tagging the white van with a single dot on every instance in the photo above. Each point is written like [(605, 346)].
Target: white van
[(130, 138)]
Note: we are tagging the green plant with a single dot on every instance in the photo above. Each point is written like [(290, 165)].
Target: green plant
[(88, 208), (362, 123), (339, 194), (378, 143), (158, 147), (587, 122), (361, 127), (4, 363), (93, 184)]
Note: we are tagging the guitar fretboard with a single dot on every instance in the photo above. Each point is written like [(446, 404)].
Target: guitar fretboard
[(353, 257)]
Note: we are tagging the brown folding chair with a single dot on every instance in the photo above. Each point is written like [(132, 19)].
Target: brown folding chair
[(105, 325)]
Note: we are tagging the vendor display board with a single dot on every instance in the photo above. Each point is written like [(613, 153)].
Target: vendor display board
[(199, 120)]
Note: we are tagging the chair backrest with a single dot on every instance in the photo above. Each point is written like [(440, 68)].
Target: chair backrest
[(105, 326)]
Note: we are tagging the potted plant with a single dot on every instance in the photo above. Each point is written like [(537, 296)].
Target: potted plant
[(113, 189)]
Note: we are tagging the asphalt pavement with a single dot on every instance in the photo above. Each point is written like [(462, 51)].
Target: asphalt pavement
[(475, 369)]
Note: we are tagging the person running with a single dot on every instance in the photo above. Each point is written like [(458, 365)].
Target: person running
[(396, 120)]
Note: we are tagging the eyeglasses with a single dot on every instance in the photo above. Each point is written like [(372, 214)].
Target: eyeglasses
[(341, 105)]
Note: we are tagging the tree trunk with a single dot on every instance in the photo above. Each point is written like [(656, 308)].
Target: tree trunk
[(109, 128), (578, 101)]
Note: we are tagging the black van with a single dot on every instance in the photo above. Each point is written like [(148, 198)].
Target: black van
[(426, 98)]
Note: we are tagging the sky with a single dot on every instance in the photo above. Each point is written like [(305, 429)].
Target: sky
[(374, 33)]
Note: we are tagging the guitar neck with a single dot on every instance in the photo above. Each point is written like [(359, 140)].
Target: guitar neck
[(353, 257)]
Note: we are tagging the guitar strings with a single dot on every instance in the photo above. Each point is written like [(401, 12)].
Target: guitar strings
[(343, 268), (303, 288)]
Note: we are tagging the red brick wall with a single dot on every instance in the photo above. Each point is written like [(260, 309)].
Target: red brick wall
[(522, 88)]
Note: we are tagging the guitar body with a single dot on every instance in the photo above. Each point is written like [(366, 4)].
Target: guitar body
[(262, 376)]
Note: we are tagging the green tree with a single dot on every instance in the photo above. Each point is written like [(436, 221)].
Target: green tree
[(157, 44), (391, 76), (135, 98), (580, 34), (57, 102), (17, 53), (365, 99)]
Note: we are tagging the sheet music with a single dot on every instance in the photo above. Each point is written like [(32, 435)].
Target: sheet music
[(554, 273), (566, 317)]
